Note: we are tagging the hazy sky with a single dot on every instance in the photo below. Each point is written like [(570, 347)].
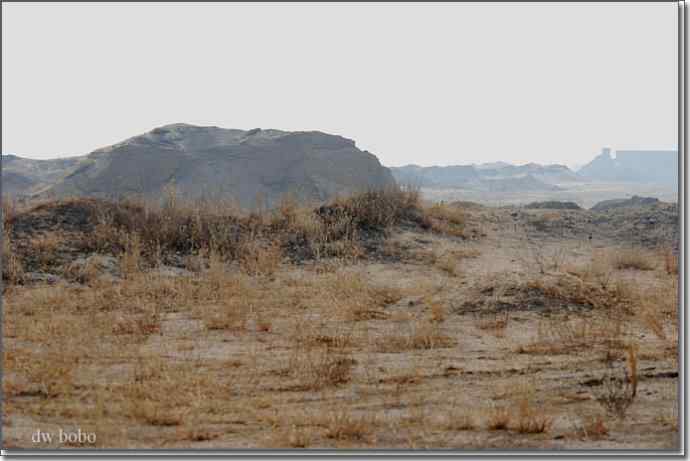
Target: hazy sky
[(427, 84)]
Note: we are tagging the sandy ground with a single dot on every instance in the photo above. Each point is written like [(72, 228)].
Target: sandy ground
[(427, 350)]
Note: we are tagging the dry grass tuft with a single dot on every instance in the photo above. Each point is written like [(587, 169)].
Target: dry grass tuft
[(632, 258), (594, 428), (292, 437), (448, 264), (454, 421), (260, 259), (498, 419), (446, 219), (495, 323), (670, 261), (530, 420), (419, 334), (12, 269), (345, 425), (130, 261)]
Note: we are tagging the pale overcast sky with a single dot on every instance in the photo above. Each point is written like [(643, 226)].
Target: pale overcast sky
[(427, 84)]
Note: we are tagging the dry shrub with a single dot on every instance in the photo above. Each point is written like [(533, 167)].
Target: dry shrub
[(151, 413), (292, 437), (558, 337), (9, 211), (652, 318), (498, 419), (495, 323), (670, 261), (446, 219), (419, 334), (599, 271), (351, 294), (162, 392), (632, 258), (383, 208), (229, 313), (138, 326), (594, 428), (657, 306), (317, 368), (130, 260), (455, 421), (578, 289), (177, 228), (540, 258), (466, 253), (12, 269), (437, 311), (86, 270), (44, 249), (619, 387), (258, 258), (48, 375), (448, 264), (344, 425), (530, 420), (319, 360)]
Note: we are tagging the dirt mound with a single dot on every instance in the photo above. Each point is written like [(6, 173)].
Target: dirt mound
[(78, 215), (553, 205), (48, 237), (559, 292), (634, 201), (648, 226)]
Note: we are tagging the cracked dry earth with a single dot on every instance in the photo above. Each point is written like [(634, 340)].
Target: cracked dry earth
[(498, 342)]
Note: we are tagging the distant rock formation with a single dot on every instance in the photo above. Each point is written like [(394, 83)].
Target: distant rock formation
[(437, 176), (495, 177), (638, 166), (215, 162)]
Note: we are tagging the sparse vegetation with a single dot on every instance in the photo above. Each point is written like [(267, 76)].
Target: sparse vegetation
[(633, 258), (200, 325)]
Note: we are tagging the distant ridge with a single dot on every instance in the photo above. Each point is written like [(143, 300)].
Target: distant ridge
[(496, 176)]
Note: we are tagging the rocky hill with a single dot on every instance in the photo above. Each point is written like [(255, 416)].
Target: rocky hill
[(215, 162), (23, 176)]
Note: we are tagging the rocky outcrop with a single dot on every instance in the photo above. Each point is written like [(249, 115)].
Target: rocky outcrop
[(247, 166)]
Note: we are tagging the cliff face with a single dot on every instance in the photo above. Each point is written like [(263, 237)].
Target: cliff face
[(217, 162), (643, 166)]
